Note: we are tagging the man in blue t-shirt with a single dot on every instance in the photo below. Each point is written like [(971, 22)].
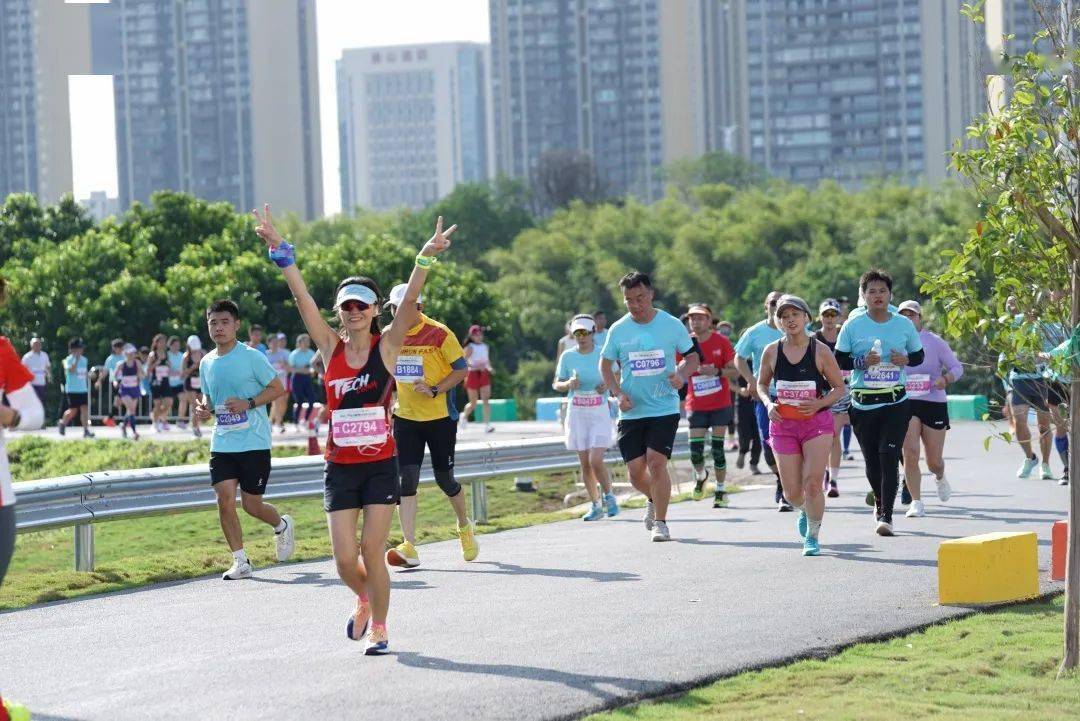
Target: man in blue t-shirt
[(644, 343), (748, 352), (237, 384), (877, 346)]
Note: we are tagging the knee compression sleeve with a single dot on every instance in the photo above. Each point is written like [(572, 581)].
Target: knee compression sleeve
[(697, 452), (410, 479), (445, 479), (718, 459)]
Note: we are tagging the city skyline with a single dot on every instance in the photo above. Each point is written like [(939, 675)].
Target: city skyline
[(341, 25)]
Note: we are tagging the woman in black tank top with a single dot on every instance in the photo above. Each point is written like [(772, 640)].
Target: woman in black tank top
[(808, 382)]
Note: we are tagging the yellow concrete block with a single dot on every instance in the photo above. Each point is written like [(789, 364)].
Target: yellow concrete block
[(991, 568)]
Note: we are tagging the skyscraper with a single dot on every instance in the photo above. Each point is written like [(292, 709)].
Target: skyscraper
[(412, 122), (214, 99), (617, 81), (851, 90), (41, 43)]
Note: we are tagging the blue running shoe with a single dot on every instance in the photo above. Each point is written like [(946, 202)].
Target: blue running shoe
[(905, 496), (803, 524), (594, 514), (611, 505), (810, 547), (377, 643)]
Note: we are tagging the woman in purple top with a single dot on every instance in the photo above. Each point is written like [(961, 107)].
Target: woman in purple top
[(926, 384)]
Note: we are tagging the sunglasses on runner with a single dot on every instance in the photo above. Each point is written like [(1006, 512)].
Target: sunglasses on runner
[(581, 333), (830, 314), (350, 306)]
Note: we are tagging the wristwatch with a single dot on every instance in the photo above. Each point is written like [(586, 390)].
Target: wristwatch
[(251, 403), (434, 391)]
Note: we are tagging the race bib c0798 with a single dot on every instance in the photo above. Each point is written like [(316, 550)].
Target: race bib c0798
[(883, 375), (706, 385), (359, 426), (409, 368), (794, 393), (918, 384), (227, 421), (646, 363)]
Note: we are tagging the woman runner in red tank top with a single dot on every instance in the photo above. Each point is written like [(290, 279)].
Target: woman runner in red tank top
[(361, 461)]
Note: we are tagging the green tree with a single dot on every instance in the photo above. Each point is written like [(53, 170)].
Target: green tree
[(1024, 255)]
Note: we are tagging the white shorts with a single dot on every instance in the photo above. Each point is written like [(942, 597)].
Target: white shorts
[(588, 429)]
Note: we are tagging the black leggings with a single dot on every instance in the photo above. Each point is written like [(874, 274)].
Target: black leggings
[(7, 538), (440, 437), (749, 440), (881, 432)]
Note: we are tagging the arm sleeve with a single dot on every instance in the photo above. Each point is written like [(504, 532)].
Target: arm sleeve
[(847, 362), (952, 364), (916, 357), (459, 364), (26, 402), (694, 348)]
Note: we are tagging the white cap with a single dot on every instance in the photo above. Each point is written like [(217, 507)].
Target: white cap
[(912, 305), (397, 295), (194, 343), (583, 322), (829, 304), (130, 349), (356, 291)]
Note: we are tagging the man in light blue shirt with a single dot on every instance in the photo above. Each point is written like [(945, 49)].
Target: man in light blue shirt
[(748, 352), (237, 384), (644, 343), (76, 388)]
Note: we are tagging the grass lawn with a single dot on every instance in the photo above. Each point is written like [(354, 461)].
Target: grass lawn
[(988, 667), (165, 548)]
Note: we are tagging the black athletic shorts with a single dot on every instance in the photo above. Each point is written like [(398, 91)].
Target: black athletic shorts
[(719, 418), (251, 468), (933, 414), (439, 436), (74, 400), (636, 435), (1037, 393), (355, 485)]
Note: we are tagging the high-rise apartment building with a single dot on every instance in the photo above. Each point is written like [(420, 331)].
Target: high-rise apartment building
[(854, 90), (42, 42), (412, 122), (620, 80), (218, 98)]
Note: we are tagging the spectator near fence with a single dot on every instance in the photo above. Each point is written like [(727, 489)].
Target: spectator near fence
[(37, 362)]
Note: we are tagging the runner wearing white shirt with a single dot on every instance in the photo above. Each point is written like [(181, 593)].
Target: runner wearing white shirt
[(37, 362)]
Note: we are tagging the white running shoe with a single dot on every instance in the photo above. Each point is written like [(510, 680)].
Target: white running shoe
[(1045, 472), (884, 528), (237, 571), (915, 510), (650, 515), (660, 531), (489, 428), (944, 490), (286, 540)]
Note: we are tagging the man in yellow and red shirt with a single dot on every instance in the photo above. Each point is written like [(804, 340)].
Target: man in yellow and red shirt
[(708, 400), (430, 366)]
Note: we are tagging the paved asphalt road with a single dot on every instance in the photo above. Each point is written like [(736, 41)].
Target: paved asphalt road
[(551, 621)]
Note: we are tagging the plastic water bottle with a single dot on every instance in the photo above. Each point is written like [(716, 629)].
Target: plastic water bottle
[(876, 350)]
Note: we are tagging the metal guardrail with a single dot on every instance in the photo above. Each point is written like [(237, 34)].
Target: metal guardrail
[(85, 499)]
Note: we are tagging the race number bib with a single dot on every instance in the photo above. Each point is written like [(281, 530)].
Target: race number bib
[(706, 385), (195, 382), (646, 363), (409, 368), (587, 400), (359, 426), (227, 421), (795, 393), (161, 372), (918, 384), (883, 375), (80, 373), (129, 381)]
